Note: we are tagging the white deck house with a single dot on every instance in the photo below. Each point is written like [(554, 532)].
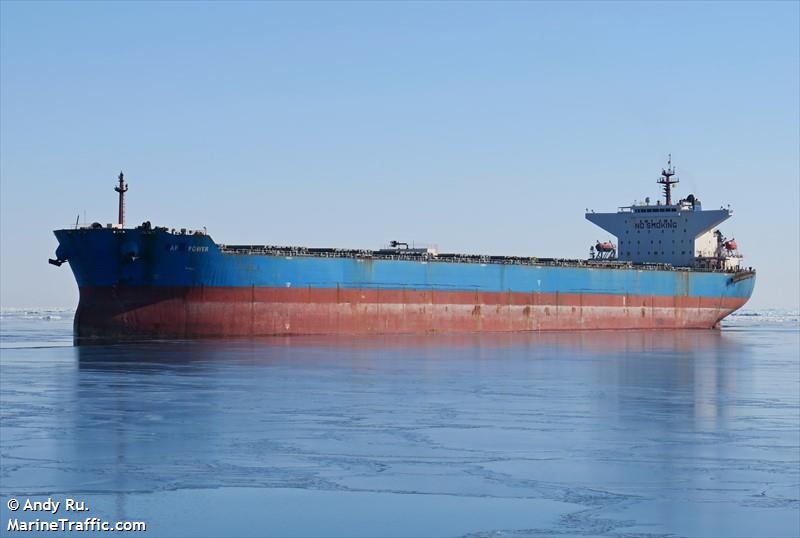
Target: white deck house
[(665, 232)]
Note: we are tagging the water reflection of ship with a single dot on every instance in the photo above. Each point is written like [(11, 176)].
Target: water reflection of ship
[(182, 406), (113, 352), (626, 358)]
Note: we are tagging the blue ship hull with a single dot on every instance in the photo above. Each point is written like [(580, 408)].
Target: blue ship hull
[(157, 283)]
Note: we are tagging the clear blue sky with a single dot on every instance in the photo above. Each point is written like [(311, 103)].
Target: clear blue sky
[(477, 127)]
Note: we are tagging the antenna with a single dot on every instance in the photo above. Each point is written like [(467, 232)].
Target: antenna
[(667, 179), (121, 189)]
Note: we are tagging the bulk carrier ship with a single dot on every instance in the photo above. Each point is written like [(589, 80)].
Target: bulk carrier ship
[(670, 268)]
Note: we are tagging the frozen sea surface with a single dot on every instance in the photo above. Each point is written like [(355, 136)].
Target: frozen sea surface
[(619, 434)]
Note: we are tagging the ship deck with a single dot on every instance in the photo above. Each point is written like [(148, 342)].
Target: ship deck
[(420, 255)]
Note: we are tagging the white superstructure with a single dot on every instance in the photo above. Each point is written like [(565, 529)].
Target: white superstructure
[(680, 234)]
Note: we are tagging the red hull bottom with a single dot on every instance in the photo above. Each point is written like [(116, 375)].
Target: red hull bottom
[(218, 312)]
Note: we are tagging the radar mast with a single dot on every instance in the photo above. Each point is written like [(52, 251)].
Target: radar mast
[(667, 179)]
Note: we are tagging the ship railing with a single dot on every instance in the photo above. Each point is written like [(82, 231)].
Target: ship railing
[(290, 252)]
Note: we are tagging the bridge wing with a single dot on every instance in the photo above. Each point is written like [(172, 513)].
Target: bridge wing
[(613, 223)]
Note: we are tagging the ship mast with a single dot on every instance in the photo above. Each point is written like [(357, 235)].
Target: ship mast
[(667, 180), (121, 189)]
